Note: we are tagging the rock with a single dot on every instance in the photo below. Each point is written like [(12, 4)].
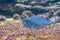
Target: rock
[(26, 14), (2, 18), (54, 20), (57, 12), (44, 16), (16, 16)]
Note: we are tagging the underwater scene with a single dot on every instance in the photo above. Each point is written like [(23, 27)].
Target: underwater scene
[(29, 19)]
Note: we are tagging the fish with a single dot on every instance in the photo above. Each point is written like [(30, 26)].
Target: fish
[(35, 22)]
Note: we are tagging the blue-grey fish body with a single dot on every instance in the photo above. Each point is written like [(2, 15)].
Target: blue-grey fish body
[(35, 22)]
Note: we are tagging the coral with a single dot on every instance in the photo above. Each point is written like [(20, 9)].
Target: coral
[(16, 31)]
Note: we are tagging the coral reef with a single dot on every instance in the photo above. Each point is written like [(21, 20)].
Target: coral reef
[(14, 30), (11, 7)]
